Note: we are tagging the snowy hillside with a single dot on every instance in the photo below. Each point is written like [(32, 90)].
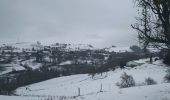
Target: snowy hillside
[(153, 92), (37, 46), (10, 67), (118, 49), (73, 47), (18, 47), (68, 86)]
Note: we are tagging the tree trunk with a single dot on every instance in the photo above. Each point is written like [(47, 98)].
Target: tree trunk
[(167, 58)]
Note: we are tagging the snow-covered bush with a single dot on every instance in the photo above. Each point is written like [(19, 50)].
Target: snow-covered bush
[(126, 81), (150, 81), (167, 76)]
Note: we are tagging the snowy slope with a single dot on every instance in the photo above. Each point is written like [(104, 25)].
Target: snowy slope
[(89, 88), (118, 49), (153, 92), (10, 67), (37, 46), (32, 64), (23, 45), (73, 47), (66, 63), (80, 47)]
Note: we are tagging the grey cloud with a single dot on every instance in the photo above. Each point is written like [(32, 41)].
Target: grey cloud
[(100, 22)]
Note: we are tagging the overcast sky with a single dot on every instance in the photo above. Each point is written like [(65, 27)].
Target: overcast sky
[(98, 22)]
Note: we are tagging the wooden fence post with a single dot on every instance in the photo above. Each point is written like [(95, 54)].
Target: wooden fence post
[(101, 88), (78, 91)]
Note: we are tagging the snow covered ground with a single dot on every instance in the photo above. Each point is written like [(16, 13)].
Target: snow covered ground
[(69, 86), (32, 64), (23, 45), (119, 49), (66, 63), (10, 67), (15, 66)]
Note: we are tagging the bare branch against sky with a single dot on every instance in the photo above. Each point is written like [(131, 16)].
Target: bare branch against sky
[(97, 22)]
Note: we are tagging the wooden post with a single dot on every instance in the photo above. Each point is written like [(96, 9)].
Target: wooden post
[(101, 88), (78, 91)]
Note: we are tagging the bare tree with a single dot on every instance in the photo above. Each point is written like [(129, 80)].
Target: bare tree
[(153, 26)]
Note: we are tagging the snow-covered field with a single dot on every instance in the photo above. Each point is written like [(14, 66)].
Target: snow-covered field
[(10, 67), (119, 49), (66, 88), (15, 66), (25, 45), (32, 64)]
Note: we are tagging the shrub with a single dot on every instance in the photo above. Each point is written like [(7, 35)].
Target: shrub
[(167, 76), (126, 81), (150, 81)]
